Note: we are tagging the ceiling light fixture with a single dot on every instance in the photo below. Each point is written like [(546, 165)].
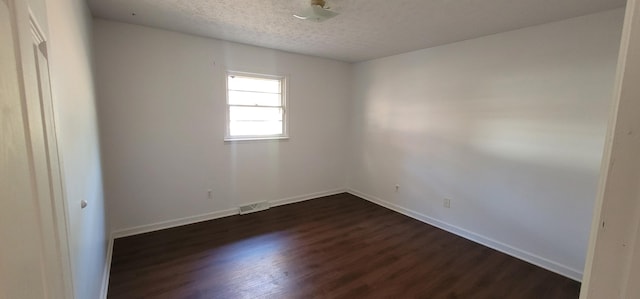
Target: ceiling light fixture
[(316, 12)]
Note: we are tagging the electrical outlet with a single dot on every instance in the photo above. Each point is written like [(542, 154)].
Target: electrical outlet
[(397, 188), (210, 194), (446, 203)]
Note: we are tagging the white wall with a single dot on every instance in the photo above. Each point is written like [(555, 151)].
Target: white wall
[(76, 123), (162, 117), (510, 127)]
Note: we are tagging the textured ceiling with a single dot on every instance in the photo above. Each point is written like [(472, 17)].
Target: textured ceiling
[(365, 29)]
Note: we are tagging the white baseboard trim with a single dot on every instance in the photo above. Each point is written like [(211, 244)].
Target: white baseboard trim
[(294, 199), (214, 215), (107, 269), (499, 246), (172, 223)]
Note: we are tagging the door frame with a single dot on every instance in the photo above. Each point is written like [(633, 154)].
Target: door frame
[(612, 267), (40, 222)]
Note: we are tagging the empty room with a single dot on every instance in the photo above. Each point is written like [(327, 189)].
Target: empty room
[(320, 149)]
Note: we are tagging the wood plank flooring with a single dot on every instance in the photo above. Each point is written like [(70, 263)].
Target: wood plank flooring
[(339, 246)]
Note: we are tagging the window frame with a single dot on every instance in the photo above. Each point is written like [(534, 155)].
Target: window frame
[(284, 103)]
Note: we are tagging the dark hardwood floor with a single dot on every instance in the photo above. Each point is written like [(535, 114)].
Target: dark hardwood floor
[(339, 246)]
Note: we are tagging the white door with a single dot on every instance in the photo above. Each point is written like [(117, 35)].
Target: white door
[(34, 261)]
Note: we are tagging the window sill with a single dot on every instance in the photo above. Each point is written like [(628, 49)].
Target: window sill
[(250, 139)]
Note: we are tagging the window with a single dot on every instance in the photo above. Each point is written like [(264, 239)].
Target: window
[(255, 106)]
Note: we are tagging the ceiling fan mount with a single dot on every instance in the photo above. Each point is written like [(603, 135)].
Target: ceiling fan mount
[(316, 12), (320, 3)]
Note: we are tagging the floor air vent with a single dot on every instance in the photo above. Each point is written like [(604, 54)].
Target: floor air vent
[(254, 207)]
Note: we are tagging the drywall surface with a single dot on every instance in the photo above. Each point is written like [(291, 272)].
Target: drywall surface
[(162, 104), (77, 129), (509, 127)]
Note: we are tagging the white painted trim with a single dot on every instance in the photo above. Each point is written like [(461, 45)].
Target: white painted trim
[(499, 246), (243, 139), (284, 92), (172, 223), (612, 266), (213, 215), (107, 269), (294, 199)]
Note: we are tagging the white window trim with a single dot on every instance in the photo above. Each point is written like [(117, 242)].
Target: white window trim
[(285, 117)]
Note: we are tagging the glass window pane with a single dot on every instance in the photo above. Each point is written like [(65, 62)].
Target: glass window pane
[(253, 84), (254, 98), (257, 114), (249, 99), (255, 128)]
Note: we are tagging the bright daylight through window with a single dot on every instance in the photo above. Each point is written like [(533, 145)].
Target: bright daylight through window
[(256, 106)]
